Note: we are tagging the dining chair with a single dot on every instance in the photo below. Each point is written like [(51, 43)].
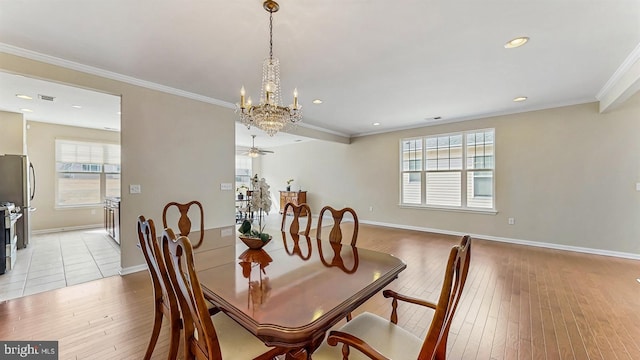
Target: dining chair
[(376, 338), (297, 211), (206, 337), (184, 222), (165, 302), (336, 232)]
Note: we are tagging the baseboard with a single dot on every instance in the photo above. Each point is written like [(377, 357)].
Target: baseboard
[(133, 269), (579, 249), (68, 228)]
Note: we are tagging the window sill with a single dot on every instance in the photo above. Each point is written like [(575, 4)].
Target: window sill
[(467, 210)]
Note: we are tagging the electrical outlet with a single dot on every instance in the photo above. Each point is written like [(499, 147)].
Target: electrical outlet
[(135, 189), (226, 186), (370, 208), (638, 186), (512, 221)]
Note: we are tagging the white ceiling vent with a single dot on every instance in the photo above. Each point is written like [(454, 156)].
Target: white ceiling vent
[(45, 97)]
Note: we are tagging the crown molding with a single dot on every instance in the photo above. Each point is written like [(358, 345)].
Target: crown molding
[(52, 60), (624, 82)]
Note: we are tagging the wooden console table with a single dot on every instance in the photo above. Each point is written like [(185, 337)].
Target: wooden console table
[(295, 197)]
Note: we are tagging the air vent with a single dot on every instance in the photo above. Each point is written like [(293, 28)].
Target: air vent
[(45, 97)]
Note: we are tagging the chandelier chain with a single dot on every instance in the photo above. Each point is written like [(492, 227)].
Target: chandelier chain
[(270, 35)]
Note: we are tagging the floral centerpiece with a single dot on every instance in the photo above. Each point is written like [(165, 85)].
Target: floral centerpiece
[(289, 184), (261, 201)]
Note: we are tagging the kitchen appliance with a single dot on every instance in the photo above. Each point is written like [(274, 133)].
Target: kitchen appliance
[(17, 186), (8, 237)]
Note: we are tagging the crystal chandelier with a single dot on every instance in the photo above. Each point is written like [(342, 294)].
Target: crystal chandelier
[(270, 116)]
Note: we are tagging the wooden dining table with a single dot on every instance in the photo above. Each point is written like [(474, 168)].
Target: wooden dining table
[(293, 290)]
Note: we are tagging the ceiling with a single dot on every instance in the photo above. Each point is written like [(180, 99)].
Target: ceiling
[(400, 64)]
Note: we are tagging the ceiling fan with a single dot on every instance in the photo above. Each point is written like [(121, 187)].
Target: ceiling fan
[(254, 151)]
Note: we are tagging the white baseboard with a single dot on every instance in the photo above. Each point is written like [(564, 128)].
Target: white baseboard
[(579, 249), (69, 228), (133, 269)]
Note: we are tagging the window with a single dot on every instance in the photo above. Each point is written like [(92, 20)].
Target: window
[(243, 171), (86, 172), (449, 170)]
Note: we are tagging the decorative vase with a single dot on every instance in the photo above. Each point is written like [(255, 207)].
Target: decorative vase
[(254, 243), (240, 196), (288, 187)]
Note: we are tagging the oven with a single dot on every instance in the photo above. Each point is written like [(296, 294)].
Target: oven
[(8, 236)]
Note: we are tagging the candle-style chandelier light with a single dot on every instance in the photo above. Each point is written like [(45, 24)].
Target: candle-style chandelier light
[(270, 115)]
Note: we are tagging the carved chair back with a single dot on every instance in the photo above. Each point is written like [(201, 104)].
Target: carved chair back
[(184, 222), (335, 235), (294, 226)]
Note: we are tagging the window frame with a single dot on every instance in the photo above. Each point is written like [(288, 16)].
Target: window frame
[(465, 171), (101, 165)]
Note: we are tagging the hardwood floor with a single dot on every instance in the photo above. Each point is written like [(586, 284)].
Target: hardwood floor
[(519, 303)]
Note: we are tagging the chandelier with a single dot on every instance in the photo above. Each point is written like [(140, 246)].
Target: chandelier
[(270, 116)]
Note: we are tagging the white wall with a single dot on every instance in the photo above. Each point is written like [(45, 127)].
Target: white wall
[(12, 133), (567, 176)]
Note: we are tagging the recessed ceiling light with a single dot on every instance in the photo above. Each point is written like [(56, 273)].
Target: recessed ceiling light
[(26, 110), (376, 124), (520, 98), (317, 101), (23, 96), (433, 118), (517, 42), (76, 106), (119, 113)]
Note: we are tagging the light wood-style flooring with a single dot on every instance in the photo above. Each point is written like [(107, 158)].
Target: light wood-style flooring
[(519, 303)]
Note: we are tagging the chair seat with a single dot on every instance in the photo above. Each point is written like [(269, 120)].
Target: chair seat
[(236, 343), (389, 339)]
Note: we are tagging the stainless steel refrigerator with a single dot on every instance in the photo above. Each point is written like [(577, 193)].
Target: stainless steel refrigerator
[(18, 185)]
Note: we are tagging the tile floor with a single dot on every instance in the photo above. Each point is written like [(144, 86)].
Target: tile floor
[(60, 259)]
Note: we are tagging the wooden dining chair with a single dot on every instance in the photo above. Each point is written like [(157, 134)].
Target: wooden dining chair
[(376, 338), (294, 225), (206, 337), (165, 302), (184, 222), (335, 235)]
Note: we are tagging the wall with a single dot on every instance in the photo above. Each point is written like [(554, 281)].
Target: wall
[(567, 176), (41, 144), (176, 148), (12, 133)]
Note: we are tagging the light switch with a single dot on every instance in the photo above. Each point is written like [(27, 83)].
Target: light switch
[(226, 186), (637, 186), (135, 189)]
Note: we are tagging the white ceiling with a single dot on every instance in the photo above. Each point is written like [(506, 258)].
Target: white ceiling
[(396, 63)]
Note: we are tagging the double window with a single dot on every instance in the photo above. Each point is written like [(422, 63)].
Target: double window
[(449, 170), (86, 172)]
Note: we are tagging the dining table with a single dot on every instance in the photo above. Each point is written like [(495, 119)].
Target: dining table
[(294, 289)]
